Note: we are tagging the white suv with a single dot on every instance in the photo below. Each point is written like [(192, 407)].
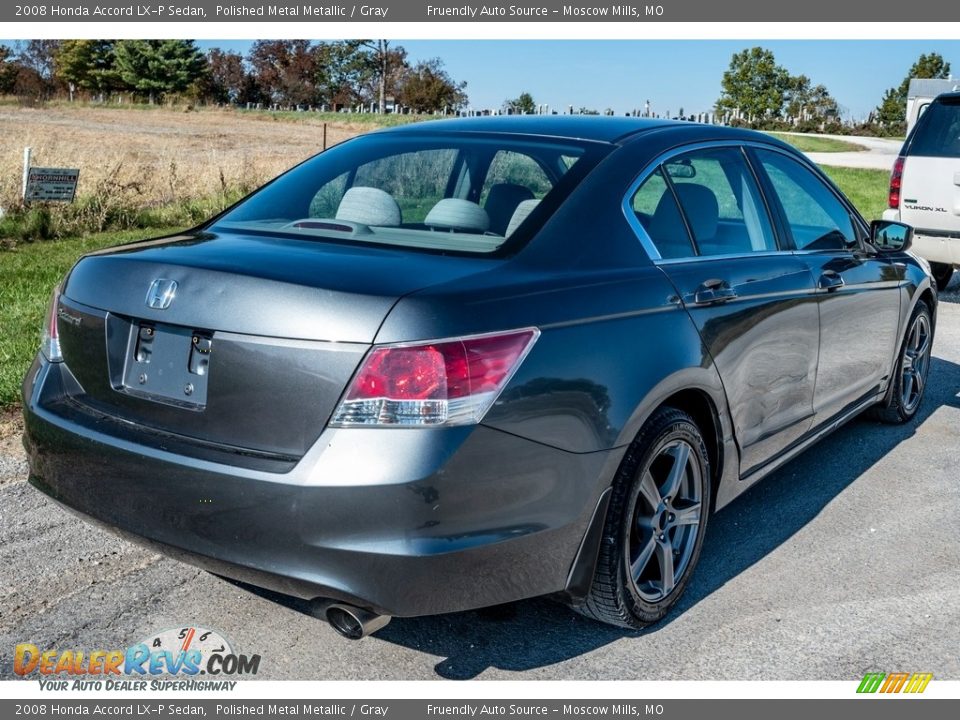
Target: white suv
[(925, 186)]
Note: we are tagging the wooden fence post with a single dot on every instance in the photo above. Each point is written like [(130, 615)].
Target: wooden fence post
[(26, 174)]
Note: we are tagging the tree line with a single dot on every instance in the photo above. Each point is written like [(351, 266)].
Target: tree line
[(757, 92), (286, 73)]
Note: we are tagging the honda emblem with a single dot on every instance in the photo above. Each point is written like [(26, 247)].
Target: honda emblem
[(161, 293)]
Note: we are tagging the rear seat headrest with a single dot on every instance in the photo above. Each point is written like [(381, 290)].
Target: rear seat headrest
[(457, 214), (369, 206)]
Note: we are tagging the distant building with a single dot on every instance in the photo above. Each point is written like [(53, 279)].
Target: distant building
[(921, 93)]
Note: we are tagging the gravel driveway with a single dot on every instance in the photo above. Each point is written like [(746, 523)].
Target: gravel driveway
[(844, 561), (879, 154)]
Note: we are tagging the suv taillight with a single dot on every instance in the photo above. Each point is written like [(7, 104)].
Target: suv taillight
[(896, 182), (443, 382)]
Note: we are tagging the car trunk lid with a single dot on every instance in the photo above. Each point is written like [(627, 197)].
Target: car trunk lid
[(275, 287), (256, 344)]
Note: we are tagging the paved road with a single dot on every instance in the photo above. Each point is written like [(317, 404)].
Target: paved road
[(844, 561), (879, 155)]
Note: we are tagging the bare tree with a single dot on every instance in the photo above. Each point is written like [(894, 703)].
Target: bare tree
[(384, 61)]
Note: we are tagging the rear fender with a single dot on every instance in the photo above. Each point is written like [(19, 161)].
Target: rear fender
[(706, 381)]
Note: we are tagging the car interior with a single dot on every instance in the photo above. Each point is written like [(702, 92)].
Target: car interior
[(710, 197), (714, 198), (491, 210)]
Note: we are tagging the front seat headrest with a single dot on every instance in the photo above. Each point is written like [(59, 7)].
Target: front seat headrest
[(502, 202), (700, 208)]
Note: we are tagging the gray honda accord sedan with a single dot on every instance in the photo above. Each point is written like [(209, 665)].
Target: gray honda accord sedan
[(465, 362)]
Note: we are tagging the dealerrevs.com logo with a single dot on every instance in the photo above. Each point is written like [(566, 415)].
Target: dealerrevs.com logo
[(183, 653)]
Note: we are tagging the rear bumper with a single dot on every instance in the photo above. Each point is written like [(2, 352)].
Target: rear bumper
[(937, 248), (403, 522), (934, 245)]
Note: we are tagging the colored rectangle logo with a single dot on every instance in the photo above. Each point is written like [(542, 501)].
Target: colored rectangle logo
[(892, 683)]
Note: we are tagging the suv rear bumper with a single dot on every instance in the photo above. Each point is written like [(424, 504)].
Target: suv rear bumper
[(937, 246), (941, 246), (403, 522)]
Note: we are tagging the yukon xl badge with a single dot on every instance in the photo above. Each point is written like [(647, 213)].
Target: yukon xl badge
[(161, 293), (922, 208)]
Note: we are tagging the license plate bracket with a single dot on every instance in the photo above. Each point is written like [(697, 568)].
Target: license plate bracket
[(168, 364)]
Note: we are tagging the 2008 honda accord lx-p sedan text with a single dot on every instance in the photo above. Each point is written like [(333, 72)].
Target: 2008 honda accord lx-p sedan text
[(471, 361)]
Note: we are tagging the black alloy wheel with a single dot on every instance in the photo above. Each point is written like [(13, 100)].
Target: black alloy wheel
[(912, 369)]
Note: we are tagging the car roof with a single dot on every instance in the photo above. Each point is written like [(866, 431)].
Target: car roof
[(612, 130), (947, 96)]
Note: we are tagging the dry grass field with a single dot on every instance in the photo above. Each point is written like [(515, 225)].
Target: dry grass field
[(151, 167), (143, 172)]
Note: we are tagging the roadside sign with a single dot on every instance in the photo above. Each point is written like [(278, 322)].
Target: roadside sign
[(56, 184)]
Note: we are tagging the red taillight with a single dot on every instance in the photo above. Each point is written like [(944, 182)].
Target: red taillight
[(401, 373), (450, 382), (896, 183)]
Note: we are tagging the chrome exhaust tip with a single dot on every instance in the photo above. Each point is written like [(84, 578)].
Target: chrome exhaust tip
[(354, 623)]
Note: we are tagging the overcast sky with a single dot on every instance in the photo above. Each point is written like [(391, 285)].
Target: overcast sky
[(623, 74)]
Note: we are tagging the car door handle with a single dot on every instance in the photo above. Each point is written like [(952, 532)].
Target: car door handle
[(713, 292), (830, 280)]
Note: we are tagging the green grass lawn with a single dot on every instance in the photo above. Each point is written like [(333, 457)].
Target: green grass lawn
[(28, 274), (867, 189), (27, 277), (812, 143)]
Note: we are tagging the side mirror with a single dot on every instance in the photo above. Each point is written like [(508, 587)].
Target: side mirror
[(888, 236)]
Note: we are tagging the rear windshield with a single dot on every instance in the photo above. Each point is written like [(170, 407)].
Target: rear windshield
[(454, 193), (938, 130)]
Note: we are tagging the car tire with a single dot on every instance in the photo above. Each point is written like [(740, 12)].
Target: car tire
[(654, 526), (942, 274), (911, 369)]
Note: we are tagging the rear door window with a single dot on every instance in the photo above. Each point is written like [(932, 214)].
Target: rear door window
[(711, 194), (938, 131), (656, 209), (721, 202)]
